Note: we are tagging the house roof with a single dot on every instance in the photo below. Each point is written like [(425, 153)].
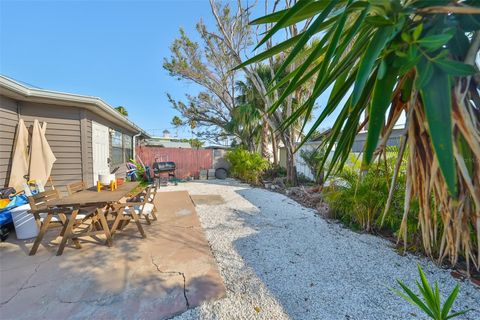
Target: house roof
[(24, 92)]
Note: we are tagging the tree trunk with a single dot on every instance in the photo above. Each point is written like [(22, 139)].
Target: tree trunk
[(274, 147), (264, 149), (292, 178)]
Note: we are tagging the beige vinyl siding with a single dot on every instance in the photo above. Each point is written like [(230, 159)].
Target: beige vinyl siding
[(8, 125), (63, 135)]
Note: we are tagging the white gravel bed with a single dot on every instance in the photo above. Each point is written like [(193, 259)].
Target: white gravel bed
[(280, 260)]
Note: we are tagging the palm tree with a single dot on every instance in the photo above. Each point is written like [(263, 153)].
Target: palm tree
[(385, 58), (122, 111)]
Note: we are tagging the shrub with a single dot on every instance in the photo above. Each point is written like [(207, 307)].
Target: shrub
[(246, 166), (358, 199)]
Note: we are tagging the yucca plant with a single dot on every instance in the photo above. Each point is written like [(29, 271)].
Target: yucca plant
[(377, 60), (431, 304)]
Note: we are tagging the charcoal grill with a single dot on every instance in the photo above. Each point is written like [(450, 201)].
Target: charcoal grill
[(167, 167)]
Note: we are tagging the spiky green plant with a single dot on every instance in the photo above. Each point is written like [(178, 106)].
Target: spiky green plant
[(431, 304)]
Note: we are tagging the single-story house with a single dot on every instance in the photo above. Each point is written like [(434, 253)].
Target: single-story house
[(86, 134)]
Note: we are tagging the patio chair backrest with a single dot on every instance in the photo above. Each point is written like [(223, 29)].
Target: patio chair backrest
[(75, 187), (42, 198), (151, 192)]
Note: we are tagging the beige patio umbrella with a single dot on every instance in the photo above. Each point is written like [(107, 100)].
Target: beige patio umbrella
[(20, 158), (41, 155)]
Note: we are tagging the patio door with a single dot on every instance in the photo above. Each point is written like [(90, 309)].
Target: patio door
[(100, 150)]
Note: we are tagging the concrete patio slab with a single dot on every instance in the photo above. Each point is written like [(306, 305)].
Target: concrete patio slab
[(165, 274), (208, 199)]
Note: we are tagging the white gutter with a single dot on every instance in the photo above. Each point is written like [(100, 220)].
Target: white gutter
[(134, 138)]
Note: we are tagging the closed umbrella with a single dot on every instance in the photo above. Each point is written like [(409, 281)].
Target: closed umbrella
[(41, 155), (20, 158)]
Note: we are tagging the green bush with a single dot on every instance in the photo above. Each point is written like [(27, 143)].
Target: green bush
[(358, 199), (246, 166)]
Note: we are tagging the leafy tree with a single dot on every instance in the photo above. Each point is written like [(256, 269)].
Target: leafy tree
[(176, 122), (196, 143), (207, 64), (289, 134), (122, 111), (383, 58)]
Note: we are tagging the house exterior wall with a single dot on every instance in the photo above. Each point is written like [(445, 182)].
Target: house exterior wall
[(8, 125), (69, 133), (64, 137)]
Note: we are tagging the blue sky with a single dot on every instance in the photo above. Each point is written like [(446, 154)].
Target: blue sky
[(110, 49)]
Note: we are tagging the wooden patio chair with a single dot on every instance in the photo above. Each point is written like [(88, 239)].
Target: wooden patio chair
[(147, 209), (38, 203), (40, 200), (76, 187), (140, 206)]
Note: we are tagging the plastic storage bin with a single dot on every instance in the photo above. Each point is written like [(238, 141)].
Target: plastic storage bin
[(24, 222)]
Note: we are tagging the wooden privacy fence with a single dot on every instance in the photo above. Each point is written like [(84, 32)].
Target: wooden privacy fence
[(189, 162)]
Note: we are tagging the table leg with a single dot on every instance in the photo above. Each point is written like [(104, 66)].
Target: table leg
[(104, 223), (43, 229), (118, 218), (68, 232)]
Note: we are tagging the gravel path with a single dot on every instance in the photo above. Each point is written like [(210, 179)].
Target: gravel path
[(280, 260)]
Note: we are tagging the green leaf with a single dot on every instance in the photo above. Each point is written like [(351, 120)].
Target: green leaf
[(455, 68), (424, 73), (449, 302), (368, 60), (306, 12), (435, 41), (382, 94), (413, 299), (417, 32), (305, 37), (382, 69), (406, 89), (270, 52), (456, 314), (282, 22), (437, 101), (378, 21)]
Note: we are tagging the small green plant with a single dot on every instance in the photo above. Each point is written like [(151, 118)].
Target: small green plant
[(246, 166), (431, 304), (313, 159), (140, 170)]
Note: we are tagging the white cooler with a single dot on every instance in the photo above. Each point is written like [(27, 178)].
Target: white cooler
[(24, 222)]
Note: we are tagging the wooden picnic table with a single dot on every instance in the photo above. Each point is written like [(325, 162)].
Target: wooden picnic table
[(72, 205)]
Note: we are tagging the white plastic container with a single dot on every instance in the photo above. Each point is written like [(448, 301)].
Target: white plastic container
[(24, 222), (105, 179)]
